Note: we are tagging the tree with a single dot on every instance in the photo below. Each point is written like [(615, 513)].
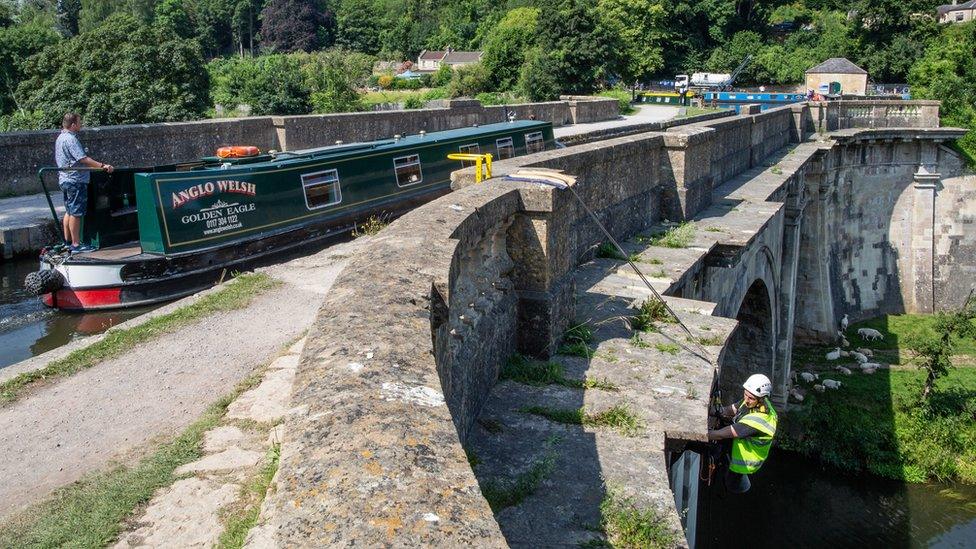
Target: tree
[(640, 25), (119, 73), (17, 44), (580, 52), (506, 46), (68, 13), (538, 80), (729, 56), (934, 351), (333, 76), (947, 72), (293, 25), (274, 84), (469, 81), (357, 26), (172, 16)]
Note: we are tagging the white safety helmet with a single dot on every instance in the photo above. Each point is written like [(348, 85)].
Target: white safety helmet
[(759, 385)]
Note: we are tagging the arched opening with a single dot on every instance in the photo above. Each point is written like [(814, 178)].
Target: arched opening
[(750, 348)]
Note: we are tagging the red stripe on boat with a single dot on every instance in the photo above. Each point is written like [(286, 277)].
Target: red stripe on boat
[(85, 299)]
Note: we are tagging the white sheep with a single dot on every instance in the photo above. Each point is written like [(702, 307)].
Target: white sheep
[(868, 371), (865, 365), (844, 342), (843, 370), (834, 355), (818, 388), (808, 377), (831, 384), (796, 394), (844, 323), (845, 354), (869, 334), (866, 352), (859, 357)]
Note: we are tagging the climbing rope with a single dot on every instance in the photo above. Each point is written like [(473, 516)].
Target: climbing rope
[(561, 181)]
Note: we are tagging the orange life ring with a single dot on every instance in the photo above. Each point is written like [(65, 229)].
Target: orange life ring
[(238, 151)]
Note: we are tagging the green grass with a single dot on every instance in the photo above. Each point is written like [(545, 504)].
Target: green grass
[(234, 295), (623, 98), (618, 417), (368, 100), (654, 261), (240, 522), (536, 372), (371, 226), (627, 526), (696, 111), (609, 251), (714, 230), (651, 310), (679, 236), (636, 341), (669, 348), (877, 423), (576, 341), (90, 512), (503, 493)]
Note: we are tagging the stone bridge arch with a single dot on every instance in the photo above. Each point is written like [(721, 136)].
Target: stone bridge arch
[(751, 347)]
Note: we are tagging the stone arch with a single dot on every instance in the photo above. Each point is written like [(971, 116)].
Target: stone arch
[(751, 347)]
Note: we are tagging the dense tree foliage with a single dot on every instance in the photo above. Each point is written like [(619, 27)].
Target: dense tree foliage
[(55, 53), (121, 72)]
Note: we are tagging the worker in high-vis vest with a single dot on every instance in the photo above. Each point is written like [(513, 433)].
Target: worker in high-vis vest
[(752, 430)]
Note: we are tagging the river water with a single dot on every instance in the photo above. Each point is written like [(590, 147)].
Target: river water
[(28, 328), (795, 502)]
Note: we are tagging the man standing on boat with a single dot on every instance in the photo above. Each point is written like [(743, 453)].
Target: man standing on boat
[(68, 153)]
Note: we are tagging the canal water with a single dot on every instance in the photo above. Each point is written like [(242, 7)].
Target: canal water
[(795, 502), (28, 328)]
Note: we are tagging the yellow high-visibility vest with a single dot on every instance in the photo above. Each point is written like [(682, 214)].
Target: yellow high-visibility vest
[(749, 453)]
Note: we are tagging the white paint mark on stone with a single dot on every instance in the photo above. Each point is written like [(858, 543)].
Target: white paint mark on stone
[(369, 355), (354, 367), (456, 207), (431, 517), (425, 396)]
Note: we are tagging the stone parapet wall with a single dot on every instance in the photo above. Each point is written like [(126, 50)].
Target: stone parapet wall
[(144, 145), (864, 113)]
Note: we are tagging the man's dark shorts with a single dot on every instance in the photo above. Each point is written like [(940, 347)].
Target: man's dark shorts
[(75, 198)]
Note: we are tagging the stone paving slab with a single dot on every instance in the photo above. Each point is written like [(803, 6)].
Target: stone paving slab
[(184, 515), (26, 224)]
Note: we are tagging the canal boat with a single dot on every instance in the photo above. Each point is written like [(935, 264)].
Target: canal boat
[(168, 231)]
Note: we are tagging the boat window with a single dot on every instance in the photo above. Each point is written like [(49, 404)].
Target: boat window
[(321, 189), (506, 148), (470, 148), (534, 143), (408, 170)]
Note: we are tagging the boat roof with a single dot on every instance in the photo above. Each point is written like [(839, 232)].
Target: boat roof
[(404, 142)]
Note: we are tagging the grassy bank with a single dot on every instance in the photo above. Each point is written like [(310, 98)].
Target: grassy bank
[(90, 512), (234, 295), (878, 423)]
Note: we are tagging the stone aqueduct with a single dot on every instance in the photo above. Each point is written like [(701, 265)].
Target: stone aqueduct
[(820, 211)]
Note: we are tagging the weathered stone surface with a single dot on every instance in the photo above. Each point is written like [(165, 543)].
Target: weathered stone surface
[(185, 515), (229, 459), (221, 438), (268, 402)]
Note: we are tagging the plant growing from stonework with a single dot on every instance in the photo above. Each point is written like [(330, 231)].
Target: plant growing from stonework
[(679, 236), (576, 341), (652, 309), (934, 350), (371, 226)]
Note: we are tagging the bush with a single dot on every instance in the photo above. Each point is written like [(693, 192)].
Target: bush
[(414, 102), (274, 85), (443, 76), (385, 81), (623, 99), (24, 121), (537, 80), (469, 81), (407, 84)]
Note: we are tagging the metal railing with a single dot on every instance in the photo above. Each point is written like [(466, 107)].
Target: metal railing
[(40, 177), (477, 159)]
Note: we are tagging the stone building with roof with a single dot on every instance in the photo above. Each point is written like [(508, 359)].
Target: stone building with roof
[(853, 79), (431, 60), (956, 12)]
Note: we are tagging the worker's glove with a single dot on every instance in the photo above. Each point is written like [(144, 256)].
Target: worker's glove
[(715, 410)]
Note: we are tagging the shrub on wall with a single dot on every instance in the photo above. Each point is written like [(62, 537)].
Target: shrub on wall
[(469, 81)]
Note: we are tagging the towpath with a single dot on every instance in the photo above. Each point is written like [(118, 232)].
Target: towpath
[(111, 411), (645, 114)]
